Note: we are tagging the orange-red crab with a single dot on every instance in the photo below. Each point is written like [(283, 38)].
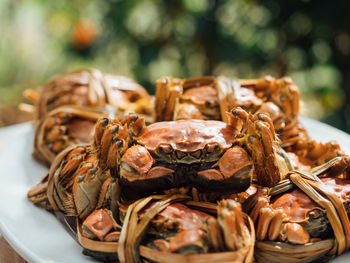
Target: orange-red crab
[(211, 156), (79, 180), (211, 98), (92, 88), (61, 128), (313, 211), (175, 229), (307, 154), (185, 230)]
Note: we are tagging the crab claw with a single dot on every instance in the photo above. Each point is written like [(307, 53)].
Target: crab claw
[(231, 173), (235, 231), (111, 140), (61, 176), (168, 93), (281, 101), (291, 217), (91, 182), (238, 119), (37, 194), (137, 174), (134, 123), (270, 163), (98, 224)]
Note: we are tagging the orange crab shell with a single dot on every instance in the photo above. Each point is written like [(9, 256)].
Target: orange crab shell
[(187, 135), (188, 153), (92, 88)]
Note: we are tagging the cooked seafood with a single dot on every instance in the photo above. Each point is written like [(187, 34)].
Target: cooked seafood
[(141, 192)]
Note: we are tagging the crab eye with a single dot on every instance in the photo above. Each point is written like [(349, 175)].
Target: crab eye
[(82, 149), (314, 214), (165, 148), (64, 117), (282, 98), (209, 148)]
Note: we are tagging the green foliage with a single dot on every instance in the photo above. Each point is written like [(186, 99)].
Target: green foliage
[(308, 40)]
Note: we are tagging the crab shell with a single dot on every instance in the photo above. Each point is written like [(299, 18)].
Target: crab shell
[(201, 98), (186, 153), (202, 94), (92, 88)]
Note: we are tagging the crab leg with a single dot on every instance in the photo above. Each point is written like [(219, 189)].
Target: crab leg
[(266, 215), (37, 193), (276, 224), (167, 97), (61, 128), (106, 140)]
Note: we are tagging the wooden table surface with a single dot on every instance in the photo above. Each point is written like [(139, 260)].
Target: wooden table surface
[(7, 253)]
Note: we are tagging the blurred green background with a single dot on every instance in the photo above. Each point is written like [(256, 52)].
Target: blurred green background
[(307, 40)]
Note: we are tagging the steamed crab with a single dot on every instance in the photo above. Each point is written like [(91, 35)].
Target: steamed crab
[(211, 156), (306, 154), (63, 127), (174, 228), (192, 231), (314, 211), (92, 88), (69, 106), (211, 98)]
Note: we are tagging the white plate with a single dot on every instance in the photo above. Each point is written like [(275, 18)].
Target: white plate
[(36, 234)]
